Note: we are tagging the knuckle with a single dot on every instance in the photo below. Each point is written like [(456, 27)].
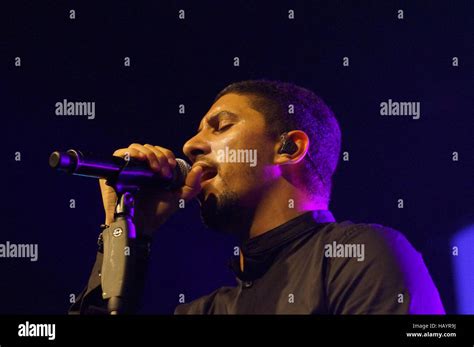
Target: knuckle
[(168, 152), (160, 156)]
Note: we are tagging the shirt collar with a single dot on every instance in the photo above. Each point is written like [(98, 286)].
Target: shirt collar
[(260, 251)]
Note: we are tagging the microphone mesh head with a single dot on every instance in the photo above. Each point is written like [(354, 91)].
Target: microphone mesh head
[(182, 169)]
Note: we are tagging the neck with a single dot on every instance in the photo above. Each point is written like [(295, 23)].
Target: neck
[(279, 205)]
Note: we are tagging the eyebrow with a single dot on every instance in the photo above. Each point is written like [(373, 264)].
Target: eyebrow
[(217, 115)]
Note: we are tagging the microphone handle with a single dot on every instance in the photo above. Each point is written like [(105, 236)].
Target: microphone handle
[(75, 162), (118, 172)]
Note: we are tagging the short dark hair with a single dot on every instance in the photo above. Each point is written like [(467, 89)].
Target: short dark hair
[(275, 100)]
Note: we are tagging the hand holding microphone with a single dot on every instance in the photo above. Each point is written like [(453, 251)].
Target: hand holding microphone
[(150, 183), (154, 203)]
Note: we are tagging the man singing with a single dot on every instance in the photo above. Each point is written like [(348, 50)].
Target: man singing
[(295, 258)]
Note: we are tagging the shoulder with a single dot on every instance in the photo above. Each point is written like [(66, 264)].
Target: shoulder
[(371, 232), (373, 240), (348, 243), (379, 260)]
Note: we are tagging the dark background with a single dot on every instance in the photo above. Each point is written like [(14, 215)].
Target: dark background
[(188, 62)]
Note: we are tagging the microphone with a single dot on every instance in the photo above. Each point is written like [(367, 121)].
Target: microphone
[(122, 174)]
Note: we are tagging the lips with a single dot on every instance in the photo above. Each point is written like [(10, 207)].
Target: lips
[(209, 172)]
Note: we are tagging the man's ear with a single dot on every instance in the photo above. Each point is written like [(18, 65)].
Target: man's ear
[(291, 148)]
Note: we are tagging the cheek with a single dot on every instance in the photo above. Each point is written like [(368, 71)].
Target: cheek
[(243, 178), (249, 175)]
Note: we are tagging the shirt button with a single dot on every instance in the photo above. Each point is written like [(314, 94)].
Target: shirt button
[(248, 284)]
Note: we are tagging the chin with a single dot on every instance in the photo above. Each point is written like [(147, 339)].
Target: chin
[(223, 213)]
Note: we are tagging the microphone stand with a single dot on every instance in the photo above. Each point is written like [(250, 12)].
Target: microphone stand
[(125, 255), (125, 252)]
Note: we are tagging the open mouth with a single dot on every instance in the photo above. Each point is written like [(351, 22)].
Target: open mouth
[(208, 175), (209, 172)]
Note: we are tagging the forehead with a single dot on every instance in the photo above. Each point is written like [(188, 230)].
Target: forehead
[(239, 105)]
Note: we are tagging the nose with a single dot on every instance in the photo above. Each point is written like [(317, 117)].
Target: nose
[(196, 146)]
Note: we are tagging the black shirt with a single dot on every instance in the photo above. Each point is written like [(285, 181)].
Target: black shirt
[(314, 265)]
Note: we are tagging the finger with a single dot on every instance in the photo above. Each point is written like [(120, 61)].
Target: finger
[(109, 198), (163, 161), (192, 185), (128, 153), (102, 184), (105, 188), (169, 155), (150, 156)]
